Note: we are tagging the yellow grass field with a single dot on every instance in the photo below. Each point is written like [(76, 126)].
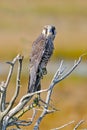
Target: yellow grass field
[(20, 24)]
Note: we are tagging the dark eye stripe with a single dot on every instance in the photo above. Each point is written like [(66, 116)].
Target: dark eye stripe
[(53, 29)]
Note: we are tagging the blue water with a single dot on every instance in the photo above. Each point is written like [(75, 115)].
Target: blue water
[(81, 69)]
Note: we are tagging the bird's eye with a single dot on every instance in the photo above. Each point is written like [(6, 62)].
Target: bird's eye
[(53, 30)]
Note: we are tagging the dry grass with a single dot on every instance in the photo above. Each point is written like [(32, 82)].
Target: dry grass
[(21, 22)]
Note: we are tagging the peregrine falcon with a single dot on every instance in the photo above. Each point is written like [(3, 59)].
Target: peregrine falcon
[(42, 49)]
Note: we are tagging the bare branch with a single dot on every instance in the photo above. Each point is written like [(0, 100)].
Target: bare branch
[(17, 86), (58, 75), (29, 107), (17, 122), (78, 124), (11, 69), (3, 100), (25, 99), (11, 115), (2, 93), (21, 104), (56, 79), (63, 126)]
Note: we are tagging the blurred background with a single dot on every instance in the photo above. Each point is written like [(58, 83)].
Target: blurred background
[(21, 22)]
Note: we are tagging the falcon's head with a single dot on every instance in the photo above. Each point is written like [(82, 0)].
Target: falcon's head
[(49, 31)]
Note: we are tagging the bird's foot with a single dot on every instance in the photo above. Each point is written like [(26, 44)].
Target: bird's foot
[(40, 74), (35, 101), (44, 70)]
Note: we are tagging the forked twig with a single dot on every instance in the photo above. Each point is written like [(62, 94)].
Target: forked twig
[(20, 58), (10, 115), (78, 124), (56, 79), (3, 97)]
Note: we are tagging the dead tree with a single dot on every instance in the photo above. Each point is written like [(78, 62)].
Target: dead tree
[(10, 115)]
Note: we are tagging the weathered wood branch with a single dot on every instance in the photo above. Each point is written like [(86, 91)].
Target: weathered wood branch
[(17, 86), (78, 124), (10, 115), (75, 128), (56, 79), (5, 85), (63, 126)]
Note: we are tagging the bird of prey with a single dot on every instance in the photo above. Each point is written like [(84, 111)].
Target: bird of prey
[(42, 49)]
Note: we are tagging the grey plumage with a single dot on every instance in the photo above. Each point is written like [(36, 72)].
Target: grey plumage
[(42, 49)]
